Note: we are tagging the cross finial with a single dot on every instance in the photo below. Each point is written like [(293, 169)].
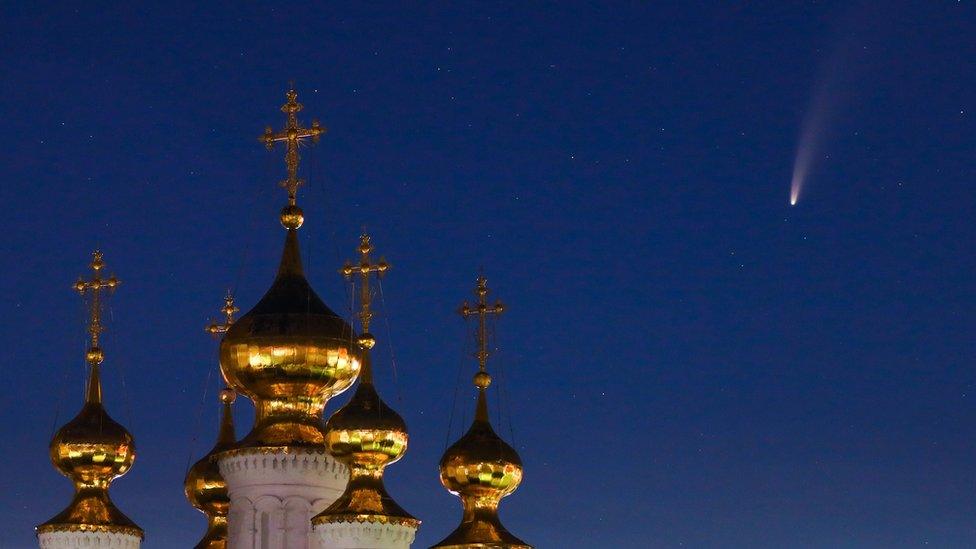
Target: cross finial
[(482, 310), (229, 309), (291, 135), (94, 286), (364, 269)]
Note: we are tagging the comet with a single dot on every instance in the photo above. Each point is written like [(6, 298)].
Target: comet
[(837, 81), (810, 142), (825, 102)]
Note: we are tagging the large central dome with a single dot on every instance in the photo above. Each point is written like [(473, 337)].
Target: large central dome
[(289, 355)]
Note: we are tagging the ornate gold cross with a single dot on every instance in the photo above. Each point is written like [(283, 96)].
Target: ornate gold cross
[(228, 309), (292, 134), (364, 269), (94, 286), (482, 309)]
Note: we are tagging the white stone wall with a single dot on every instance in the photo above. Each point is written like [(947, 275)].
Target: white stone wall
[(273, 496), (87, 540), (362, 535)]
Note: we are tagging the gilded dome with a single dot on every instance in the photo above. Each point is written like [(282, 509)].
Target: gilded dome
[(366, 430), (481, 462), (481, 469), (289, 354), (206, 488), (366, 435), (92, 450)]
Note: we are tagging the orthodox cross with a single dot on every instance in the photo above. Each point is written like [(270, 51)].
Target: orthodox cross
[(291, 135), (94, 286), (364, 269), (482, 310), (228, 309)]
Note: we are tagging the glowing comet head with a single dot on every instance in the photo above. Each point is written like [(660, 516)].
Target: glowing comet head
[(801, 167), (795, 187)]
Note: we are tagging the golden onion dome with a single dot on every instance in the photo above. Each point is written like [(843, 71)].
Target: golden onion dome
[(289, 355), (366, 435), (206, 488), (481, 469), (92, 450)]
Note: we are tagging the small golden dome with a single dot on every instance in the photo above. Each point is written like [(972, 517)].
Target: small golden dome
[(289, 355), (292, 217), (480, 460), (92, 450), (366, 435), (366, 430), (228, 396), (366, 341), (206, 488), (94, 355), (482, 380)]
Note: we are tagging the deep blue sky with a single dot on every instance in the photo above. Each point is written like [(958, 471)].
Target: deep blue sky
[(688, 361)]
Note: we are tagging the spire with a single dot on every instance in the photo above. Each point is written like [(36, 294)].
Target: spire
[(229, 310), (291, 257), (94, 286), (227, 436), (92, 449), (93, 391), (292, 135), (482, 310), (94, 356), (480, 467), (481, 408), (365, 268)]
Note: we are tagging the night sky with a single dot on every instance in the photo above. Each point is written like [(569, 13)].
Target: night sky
[(685, 359)]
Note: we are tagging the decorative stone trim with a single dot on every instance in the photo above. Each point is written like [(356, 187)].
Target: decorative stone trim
[(107, 528), (87, 540), (377, 519), (357, 535), (308, 466)]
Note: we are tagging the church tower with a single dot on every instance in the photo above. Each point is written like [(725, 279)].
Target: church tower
[(366, 435), (289, 355), (480, 467), (92, 450)]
